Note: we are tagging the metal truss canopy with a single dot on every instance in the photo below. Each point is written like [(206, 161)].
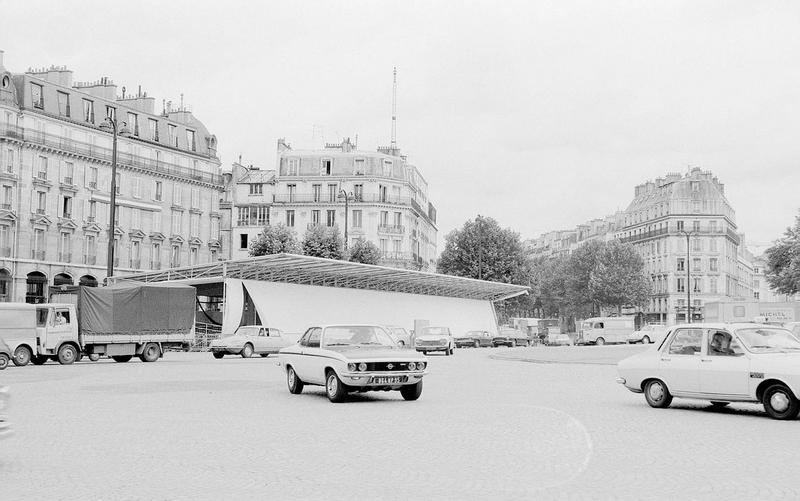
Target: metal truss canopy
[(305, 270)]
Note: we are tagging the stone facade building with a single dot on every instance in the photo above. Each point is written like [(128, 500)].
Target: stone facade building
[(55, 177), (387, 200)]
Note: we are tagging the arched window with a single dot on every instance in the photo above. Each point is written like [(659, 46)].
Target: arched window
[(88, 281), (62, 279), (5, 285), (36, 282)]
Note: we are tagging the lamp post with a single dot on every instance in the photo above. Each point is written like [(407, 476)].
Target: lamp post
[(110, 125), (688, 277), (347, 197)]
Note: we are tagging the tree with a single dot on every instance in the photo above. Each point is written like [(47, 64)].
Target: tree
[(274, 240), (783, 261), (577, 274), (364, 251), (483, 250), (618, 277), (323, 241)]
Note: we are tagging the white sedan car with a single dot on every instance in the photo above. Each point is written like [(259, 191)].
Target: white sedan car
[(721, 363), (347, 358), (647, 334), (249, 340)]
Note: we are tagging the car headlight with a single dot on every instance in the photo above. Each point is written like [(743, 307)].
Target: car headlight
[(351, 367), (412, 366), (362, 366), (421, 366)]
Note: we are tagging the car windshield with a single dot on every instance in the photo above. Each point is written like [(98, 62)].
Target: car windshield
[(766, 339), (356, 335), (398, 331), (246, 331), (434, 330)]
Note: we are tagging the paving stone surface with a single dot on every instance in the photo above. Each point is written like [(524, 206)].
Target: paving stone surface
[(487, 426)]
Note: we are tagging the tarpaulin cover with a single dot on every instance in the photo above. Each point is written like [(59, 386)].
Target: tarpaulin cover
[(135, 308)]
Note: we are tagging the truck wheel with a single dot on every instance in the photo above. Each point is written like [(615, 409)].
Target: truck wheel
[(38, 360), (3, 361), (94, 357), (600, 341), (150, 353), (122, 358), (247, 351), (22, 356), (67, 354)]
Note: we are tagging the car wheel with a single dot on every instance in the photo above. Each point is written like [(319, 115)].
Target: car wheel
[(334, 387), (657, 394), (218, 354), (38, 360), (94, 357), (476, 344), (122, 358), (150, 353), (67, 354), (779, 402), (264, 355), (293, 382), (247, 351), (22, 356), (411, 391), (400, 343), (4, 361), (718, 405), (600, 341), (645, 340)]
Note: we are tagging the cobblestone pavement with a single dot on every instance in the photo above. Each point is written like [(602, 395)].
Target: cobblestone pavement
[(191, 427)]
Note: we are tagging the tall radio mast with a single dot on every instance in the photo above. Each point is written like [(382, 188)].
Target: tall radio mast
[(394, 110)]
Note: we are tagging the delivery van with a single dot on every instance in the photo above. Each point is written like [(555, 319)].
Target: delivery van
[(602, 330)]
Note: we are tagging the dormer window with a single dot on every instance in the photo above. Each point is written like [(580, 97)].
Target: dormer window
[(133, 123), (190, 143), (326, 165), (292, 164), (387, 168), (37, 96), (359, 169)]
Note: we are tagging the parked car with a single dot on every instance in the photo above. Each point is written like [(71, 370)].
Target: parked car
[(5, 424), (5, 355), (400, 335), (722, 363), (509, 336), (794, 327), (602, 330), (249, 340), (647, 334), (435, 339), (347, 358), (474, 338), (560, 339)]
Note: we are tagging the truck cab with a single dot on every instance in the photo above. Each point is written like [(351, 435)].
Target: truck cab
[(56, 332)]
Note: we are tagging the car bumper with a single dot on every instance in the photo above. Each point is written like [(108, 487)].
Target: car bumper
[(432, 348), (464, 342), (225, 349), (624, 382), (368, 379)]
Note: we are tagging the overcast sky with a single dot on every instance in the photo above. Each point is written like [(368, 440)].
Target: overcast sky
[(540, 114)]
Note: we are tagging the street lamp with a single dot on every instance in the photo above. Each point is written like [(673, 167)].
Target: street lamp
[(110, 125), (688, 278), (346, 197)]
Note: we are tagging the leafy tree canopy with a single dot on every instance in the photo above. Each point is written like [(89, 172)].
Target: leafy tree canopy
[(364, 251), (618, 278), (323, 241), (783, 261), (275, 240)]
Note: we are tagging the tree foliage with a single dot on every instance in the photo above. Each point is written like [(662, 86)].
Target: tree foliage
[(364, 251), (783, 261), (618, 278), (323, 241), (274, 240)]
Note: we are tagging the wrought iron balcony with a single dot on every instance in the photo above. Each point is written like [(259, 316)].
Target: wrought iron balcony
[(395, 229)]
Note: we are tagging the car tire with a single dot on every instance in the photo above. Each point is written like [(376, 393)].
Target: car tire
[(122, 358), (657, 394), (600, 341), (780, 402), (67, 354), (218, 354), (716, 404), (94, 357), (264, 355), (4, 360), (476, 344), (400, 343), (150, 353), (293, 382), (645, 340), (412, 391), (247, 351), (22, 356), (38, 360), (334, 387)]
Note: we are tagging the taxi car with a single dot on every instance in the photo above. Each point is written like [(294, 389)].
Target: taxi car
[(435, 339), (5, 424), (474, 338), (249, 340), (722, 363), (350, 358)]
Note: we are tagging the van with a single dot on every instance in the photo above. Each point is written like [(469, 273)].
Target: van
[(602, 330)]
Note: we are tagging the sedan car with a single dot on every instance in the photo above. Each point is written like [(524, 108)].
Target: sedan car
[(249, 340), (509, 336), (722, 363), (400, 336), (474, 338), (647, 334), (5, 355), (435, 339), (5, 424), (349, 358)]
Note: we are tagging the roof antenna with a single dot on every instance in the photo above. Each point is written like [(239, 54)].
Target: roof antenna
[(394, 110)]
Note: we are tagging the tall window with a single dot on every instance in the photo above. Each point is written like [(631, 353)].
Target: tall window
[(696, 264), (384, 218), (5, 243), (91, 216), (173, 135), (332, 191), (387, 168), (136, 218), (41, 202), (696, 287), (136, 187), (357, 219), (190, 140), (382, 193), (133, 123), (66, 206), (256, 189), (397, 245), (111, 112), (398, 219), (244, 216), (712, 226), (384, 246), (696, 244), (176, 222), (680, 225), (37, 95), (290, 218), (695, 225), (9, 160), (8, 196), (712, 264), (175, 256), (358, 192), (193, 256), (262, 216), (42, 172), (292, 189), (292, 164), (153, 127), (88, 111), (326, 165), (157, 195), (135, 254), (681, 285), (194, 223), (195, 198), (315, 217), (63, 104), (38, 244), (331, 217), (67, 171), (176, 194), (359, 169), (91, 248), (93, 177), (65, 244), (155, 256), (712, 285), (316, 190)]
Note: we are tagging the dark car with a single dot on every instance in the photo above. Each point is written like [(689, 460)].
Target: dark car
[(475, 339), (509, 336), (5, 355)]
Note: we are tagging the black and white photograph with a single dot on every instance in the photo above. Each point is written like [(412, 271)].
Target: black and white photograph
[(399, 250)]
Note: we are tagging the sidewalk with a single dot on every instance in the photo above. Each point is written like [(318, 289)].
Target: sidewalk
[(587, 355)]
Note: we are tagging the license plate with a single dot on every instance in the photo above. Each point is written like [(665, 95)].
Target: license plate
[(388, 379)]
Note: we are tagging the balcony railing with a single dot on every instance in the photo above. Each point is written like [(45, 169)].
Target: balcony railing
[(90, 219), (304, 198), (155, 265), (101, 153), (252, 222), (93, 185), (397, 229), (68, 181), (89, 259), (5, 206), (41, 175), (40, 211)]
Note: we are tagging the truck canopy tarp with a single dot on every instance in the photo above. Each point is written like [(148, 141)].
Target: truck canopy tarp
[(132, 307)]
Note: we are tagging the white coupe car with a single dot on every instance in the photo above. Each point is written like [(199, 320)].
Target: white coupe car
[(347, 358), (721, 363), (249, 340)]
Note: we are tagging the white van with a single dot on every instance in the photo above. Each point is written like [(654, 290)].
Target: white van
[(602, 330)]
